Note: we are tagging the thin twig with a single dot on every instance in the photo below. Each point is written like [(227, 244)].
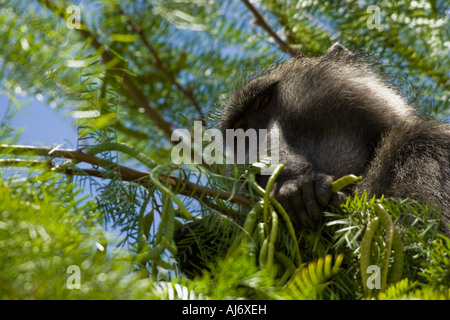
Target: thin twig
[(24, 163), (260, 21)]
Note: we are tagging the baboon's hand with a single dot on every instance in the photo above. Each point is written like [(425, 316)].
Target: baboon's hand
[(305, 198)]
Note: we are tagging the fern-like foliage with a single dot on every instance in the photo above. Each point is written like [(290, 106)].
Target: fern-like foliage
[(174, 291), (398, 290), (310, 281), (437, 266), (407, 290)]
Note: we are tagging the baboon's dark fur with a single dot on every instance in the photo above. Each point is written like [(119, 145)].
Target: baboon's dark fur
[(336, 117)]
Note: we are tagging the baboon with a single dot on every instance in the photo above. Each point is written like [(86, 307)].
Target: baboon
[(337, 117)]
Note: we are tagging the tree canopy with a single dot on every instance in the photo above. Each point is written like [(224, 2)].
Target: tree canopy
[(131, 72)]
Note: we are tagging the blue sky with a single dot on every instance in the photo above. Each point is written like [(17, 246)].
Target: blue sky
[(41, 124)]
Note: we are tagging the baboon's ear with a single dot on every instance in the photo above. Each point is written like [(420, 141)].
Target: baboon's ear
[(338, 50)]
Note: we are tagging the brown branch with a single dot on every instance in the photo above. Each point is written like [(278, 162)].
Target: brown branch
[(24, 163), (128, 83), (73, 154), (128, 174), (161, 65), (260, 21)]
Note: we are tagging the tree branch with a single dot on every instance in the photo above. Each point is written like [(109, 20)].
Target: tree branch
[(260, 21), (160, 64), (127, 174)]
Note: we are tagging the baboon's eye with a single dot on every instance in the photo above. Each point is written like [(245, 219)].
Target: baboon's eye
[(263, 102)]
